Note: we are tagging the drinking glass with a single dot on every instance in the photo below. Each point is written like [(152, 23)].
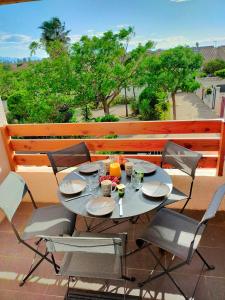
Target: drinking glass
[(136, 181), (121, 192), (93, 182)]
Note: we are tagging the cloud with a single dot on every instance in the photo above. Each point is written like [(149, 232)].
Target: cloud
[(75, 38), (15, 38), (170, 41), (120, 26)]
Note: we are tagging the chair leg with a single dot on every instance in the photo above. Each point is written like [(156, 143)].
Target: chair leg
[(185, 204), (210, 267), (165, 271), (38, 241), (56, 267), (68, 286), (32, 270)]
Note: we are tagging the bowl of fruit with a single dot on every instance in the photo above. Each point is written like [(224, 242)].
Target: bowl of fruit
[(115, 180)]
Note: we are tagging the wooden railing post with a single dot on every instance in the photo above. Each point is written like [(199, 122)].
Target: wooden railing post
[(220, 161), (8, 148)]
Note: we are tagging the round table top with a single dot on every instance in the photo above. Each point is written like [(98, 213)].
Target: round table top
[(134, 202)]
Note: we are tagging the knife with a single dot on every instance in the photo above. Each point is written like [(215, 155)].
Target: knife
[(78, 175), (121, 207), (69, 199)]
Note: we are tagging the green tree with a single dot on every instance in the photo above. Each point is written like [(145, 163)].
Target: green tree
[(43, 92), (172, 71), (54, 37), (103, 67), (213, 65), (7, 81)]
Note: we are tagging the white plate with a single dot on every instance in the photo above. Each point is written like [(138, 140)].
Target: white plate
[(100, 206), (155, 189), (89, 168), (73, 186), (147, 168)]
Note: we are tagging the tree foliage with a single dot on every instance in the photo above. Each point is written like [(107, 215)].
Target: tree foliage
[(54, 37), (213, 65), (7, 81), (94, 71), (43, 92), (103, 65), (172, 71)]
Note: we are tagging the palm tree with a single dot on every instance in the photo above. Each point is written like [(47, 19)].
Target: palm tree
[(54, 38), (54, 30)]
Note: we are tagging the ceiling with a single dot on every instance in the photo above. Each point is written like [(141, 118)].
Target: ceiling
[(13, 1)]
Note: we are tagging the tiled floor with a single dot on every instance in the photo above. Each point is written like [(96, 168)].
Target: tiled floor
[(15, 260)]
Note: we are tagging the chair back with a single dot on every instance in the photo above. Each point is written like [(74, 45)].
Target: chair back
[(181, 158), (214, 204), (209, 214), (12, 190), (69, 157), (96, 245)]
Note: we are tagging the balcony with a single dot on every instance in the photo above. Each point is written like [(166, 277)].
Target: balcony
[(23, 150)]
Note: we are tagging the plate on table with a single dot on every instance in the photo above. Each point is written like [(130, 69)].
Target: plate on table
[(155, 189), (100, 206), (72, 186), (89, 168), (146, 168)]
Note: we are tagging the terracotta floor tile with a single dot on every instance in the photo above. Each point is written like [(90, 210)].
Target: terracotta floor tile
[(214, 256), (210, 288), (161, 288), (15, 295), (141, 259), (213, 236), (11, 247), (15, 261)]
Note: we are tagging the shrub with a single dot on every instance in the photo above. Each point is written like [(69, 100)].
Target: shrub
[(107, 118), (208, 91), (86, 112), (134, 105), (152, 104), (202, 75), (213, 65), (220, 73)]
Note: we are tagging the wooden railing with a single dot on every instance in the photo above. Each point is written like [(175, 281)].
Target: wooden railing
[(27, 144)]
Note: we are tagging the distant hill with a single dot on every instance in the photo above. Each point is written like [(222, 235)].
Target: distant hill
[(15, 60)]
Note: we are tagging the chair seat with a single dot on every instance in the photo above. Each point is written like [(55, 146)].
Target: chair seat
[(91, 264), (54, 220), (175, 196), (172, 232)]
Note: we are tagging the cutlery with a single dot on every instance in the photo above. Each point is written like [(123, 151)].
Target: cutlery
[(73, 198), (79, 175), (121, 206)]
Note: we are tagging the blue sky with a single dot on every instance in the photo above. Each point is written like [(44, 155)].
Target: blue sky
[(167, 22)]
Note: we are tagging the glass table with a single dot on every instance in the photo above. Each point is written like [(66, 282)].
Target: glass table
[(134, 202)]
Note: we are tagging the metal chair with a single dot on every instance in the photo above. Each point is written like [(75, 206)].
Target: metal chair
[(183, 159), (68, 157), (51, 220), (179, 235), (91, 255)]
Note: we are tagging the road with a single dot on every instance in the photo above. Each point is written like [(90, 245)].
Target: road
[(189, 107)]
